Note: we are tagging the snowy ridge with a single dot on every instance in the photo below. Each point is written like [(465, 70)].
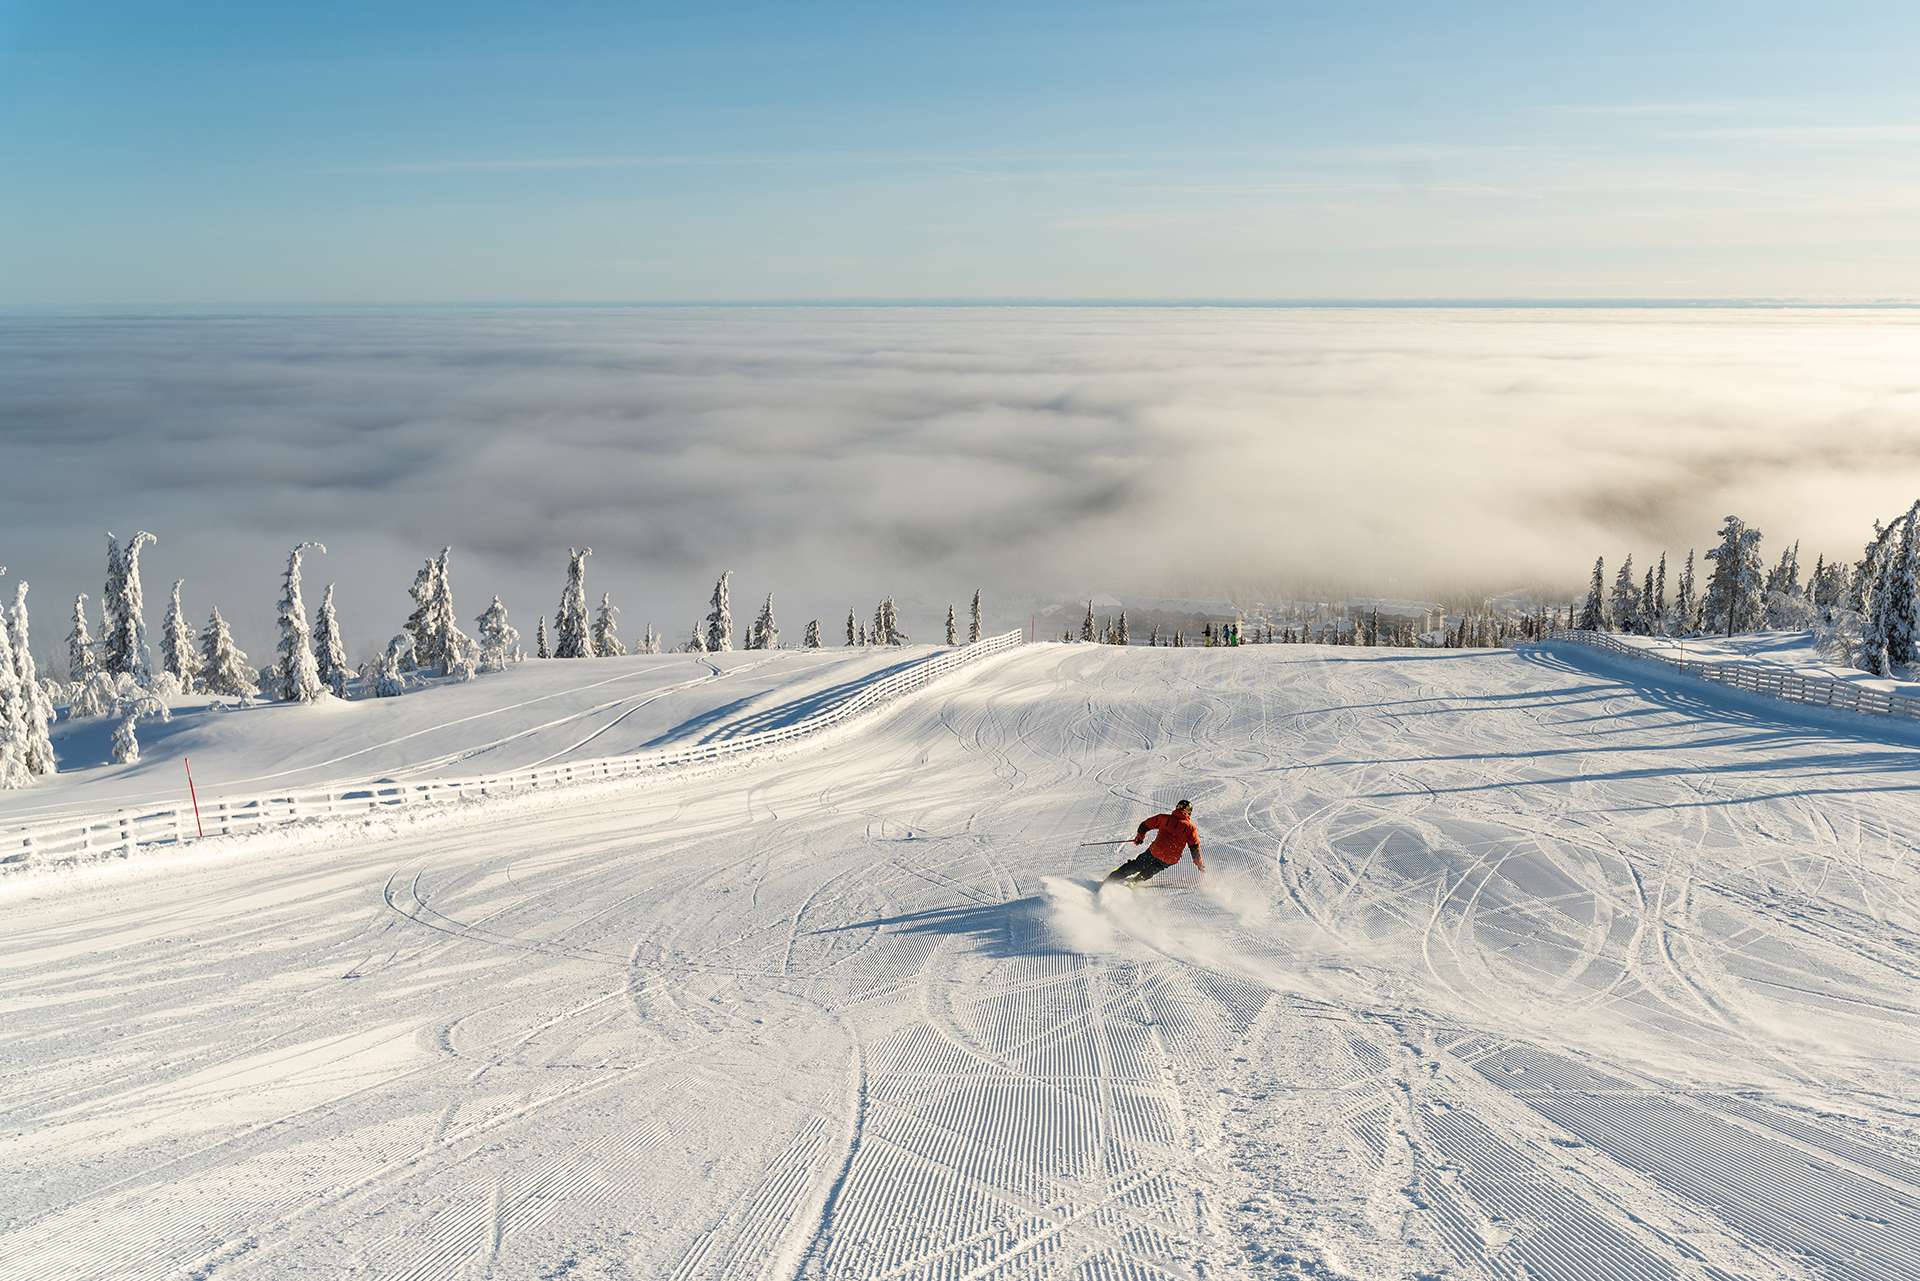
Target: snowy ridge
[(127, 830), (1765, 679)]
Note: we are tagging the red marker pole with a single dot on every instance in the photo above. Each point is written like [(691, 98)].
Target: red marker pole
[(198, 830)]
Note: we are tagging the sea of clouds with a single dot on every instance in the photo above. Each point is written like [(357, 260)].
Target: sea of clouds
[(835, 454)]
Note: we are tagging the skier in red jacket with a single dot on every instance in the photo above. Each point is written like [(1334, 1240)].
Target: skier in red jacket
[(1177, 835)]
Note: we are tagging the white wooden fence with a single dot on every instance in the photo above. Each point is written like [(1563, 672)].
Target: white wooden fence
[(125, 831), (1759, 678)]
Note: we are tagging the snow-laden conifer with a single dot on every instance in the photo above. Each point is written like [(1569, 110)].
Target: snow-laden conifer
[(1625, 606), (813, 634), (889, 630), (1733, 589), (973, 627), (81, 659), (953, 627), (1685, 605), (862, 636), (606, 629), (112, 592), (1903, 593), (572, 636), (540, 647), (126, 742), (442, 645), (1877, 624), (419, 623), (1153, 637), (499, 638), (329, 651), (35, 703), (765, 633), (1086, 624), (697, 643), (1662, 625), (720, 618), (852, 638), (1123, 637), (14, 713), (296, 674), (387, 674), (127, 651), (179, 648), (223, 665), (1593, 614), (650, 640)]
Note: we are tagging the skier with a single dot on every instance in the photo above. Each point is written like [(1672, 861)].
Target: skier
[(1177, 834)]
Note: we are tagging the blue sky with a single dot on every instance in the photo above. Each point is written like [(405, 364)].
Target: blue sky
[(577, 151)]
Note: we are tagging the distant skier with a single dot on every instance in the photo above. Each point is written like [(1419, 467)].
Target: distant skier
[(1177, 834)]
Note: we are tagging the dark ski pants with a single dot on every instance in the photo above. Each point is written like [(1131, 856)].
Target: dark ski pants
[(1141, 867)]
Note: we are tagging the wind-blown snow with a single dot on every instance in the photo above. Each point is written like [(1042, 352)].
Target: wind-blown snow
[(1504, 967)]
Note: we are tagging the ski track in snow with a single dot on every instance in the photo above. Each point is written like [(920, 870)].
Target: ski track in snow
[(1504, 969)]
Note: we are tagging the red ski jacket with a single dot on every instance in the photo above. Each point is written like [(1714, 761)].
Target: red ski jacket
[(1177, 835)]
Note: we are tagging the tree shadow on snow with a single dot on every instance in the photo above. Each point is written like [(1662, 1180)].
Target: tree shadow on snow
[(999, 930), (716, 724)]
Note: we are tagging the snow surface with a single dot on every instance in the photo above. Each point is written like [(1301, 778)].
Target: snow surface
[(1504, 967), (1795, 651), (536, 713)]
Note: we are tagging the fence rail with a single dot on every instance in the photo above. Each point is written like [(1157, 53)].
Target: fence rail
[(125, 831), (1766, 679)]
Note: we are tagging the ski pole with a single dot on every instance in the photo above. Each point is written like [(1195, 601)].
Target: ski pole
[(1122, 841)]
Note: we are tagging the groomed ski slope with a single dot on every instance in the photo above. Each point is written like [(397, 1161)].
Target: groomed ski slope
[(1505, 968)]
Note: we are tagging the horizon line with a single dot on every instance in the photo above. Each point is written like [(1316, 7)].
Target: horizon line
[(1198, 302)]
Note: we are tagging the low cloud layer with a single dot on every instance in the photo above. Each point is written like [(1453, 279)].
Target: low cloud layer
[(833, 455)]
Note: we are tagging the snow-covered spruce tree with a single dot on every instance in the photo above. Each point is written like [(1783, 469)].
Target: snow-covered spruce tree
[(891, 633), (953, 627), (876, 635), (499, 639), (81, 659), (387, 674), (766, 633), (1125, 637), (126, 742), (1153, 637), (179, 650), (1625, 605), (14, 713), (650, 640), (126, 644), (37, 706), (973, 627), (1649, 621), (1661, 623), (862, 637), (329, 651), (720, 618), (540, 647), (454, 652), (223, 665), (296, 675), (1903, 592), (1593, 614), (813, 634), (606, 629), (417, 623), (1086, 624), (1877, 623), (852, 639), (572, 638), (1733, 589), (112, 592), (697, 643), (1685, 606)]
